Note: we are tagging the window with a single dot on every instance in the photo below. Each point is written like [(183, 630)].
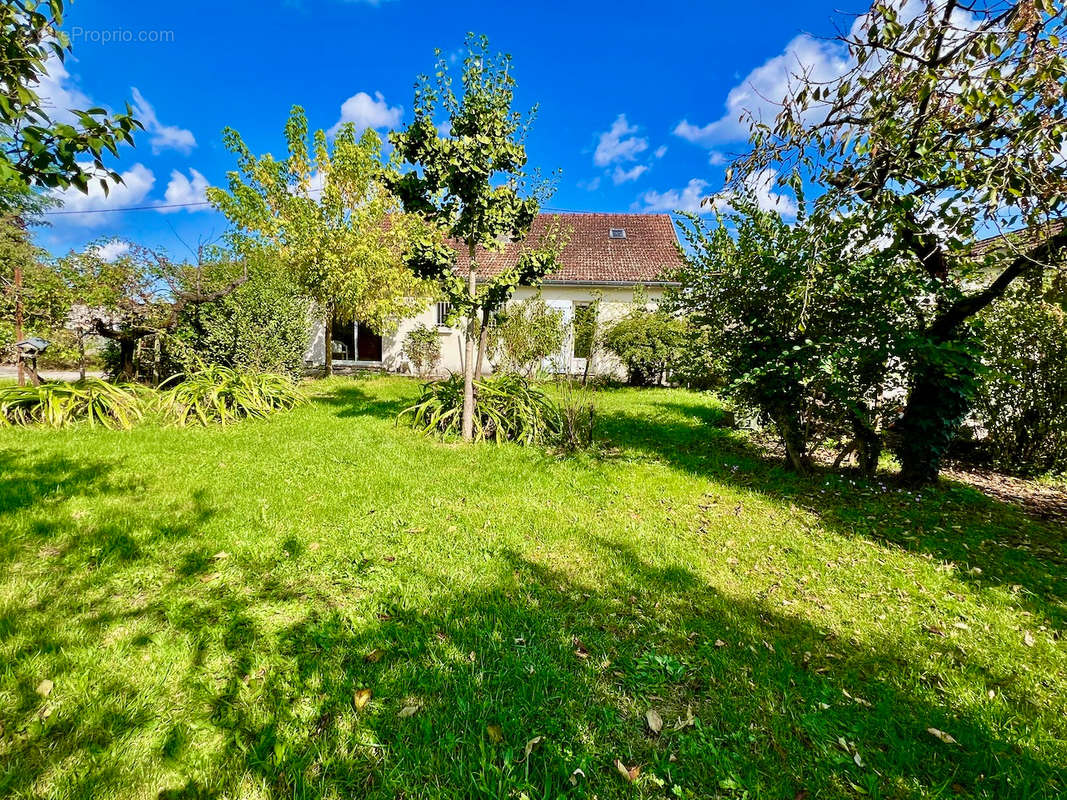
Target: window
[(617, 233), (343, 340), (443, 310), (584, 329)]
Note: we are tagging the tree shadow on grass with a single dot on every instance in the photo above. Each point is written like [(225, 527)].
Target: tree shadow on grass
[(990, 543), (350, 400), (753, 700)]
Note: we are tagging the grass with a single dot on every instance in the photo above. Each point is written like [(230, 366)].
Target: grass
[(210, 605)]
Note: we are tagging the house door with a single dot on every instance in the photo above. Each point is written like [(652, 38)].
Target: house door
[(368, 344)]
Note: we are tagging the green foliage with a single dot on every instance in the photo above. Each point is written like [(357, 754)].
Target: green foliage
[(224, 395), (263, 326), (808, 325), (1022, 400), (58, 405), (577, 416), (422, 347), (36, 150), (343, 239), (526, 334), (646, 342), (509, 409)]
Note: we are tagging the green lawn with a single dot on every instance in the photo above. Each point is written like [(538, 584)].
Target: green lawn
[(209, 604)]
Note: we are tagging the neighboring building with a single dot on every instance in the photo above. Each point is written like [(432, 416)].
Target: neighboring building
[(606, 255)]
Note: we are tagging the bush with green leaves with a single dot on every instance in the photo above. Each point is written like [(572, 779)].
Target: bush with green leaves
[(811, 328), (59, 405), (223, 395), (422, 348), (647, 343), (525, 335), (577, 416), (509, 409), (1022, 400)]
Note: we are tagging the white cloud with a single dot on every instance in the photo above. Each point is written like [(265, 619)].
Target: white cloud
[(762, 185), (687, 199), (182, 191), (163, 137), (661, 151), (58, 92), (365, 112), (137, 182), (590, 185), (619, 144), (716, 159), (761, 92), (112, 249), (621, 175)]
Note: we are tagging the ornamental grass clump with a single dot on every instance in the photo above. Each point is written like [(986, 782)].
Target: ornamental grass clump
[(59, 405), (507, 409), (223, 395)]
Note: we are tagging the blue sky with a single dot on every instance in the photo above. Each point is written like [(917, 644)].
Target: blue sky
[(637, 100)]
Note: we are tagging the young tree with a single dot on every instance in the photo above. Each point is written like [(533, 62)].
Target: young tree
[(467, 184), (35, 149), (328, 215), (950, 122)]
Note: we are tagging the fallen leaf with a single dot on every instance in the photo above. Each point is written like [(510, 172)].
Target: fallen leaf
[(629, 773), (314, 546), (1028, 639), (44, 688), (408, 711), (944, 737), (801, 795), (720, 643), (361, 698), (858, 760), (579, 648), (389, 559), (496, 733), (689, 719), (575, 775), (220, 555), (208, 578), (530, 745), (655, 722)]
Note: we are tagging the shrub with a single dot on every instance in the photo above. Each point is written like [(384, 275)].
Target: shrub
[(525, 335), (422, 347), (577, 416), (223, 394), (647, 343), (58, 405), (507, 408), (1022, 402)]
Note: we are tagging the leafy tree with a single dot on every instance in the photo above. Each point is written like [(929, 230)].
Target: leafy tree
[(646, 342), (144, 293), (422, 347), (1022, 399), (525, 334), (328, 216), (950, 121), (804, 321), (466, 182), (35, 149)]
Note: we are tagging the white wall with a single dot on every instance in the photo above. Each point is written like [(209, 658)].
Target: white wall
[(615, 301)]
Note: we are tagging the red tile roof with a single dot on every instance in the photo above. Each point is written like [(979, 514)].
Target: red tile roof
[(649, 251)]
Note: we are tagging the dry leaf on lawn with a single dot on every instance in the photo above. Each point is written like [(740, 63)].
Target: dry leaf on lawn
[(374, 656), (44, 688), (408, 711), (629, 773), (944, 737), (1028, 639), (361, 698), (496, 733), (654, 720), (530, 745)]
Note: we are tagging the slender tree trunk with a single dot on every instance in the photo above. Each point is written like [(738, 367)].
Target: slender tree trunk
[(81, 357), (483, 344), (328, 337), (468, 361), (868, 443), (18, 323), (792, 433)]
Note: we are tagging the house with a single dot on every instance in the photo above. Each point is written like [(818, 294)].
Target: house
[(606, 256)]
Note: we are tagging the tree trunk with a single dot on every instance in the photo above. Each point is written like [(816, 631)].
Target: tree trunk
[(127, 349), (792, 433), (328, 338), (18, 324), (468, 361), (483, 344), (868, 444), (81, 357)]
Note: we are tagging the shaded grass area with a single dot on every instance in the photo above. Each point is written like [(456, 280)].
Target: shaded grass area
[(210, 604)]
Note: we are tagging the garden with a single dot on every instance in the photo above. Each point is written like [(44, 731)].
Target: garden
[(803, 539)]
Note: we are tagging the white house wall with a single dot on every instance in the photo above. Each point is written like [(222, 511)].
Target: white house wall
[(615, 301)]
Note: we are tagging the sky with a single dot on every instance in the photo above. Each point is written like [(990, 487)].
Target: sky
[(637, 101)]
